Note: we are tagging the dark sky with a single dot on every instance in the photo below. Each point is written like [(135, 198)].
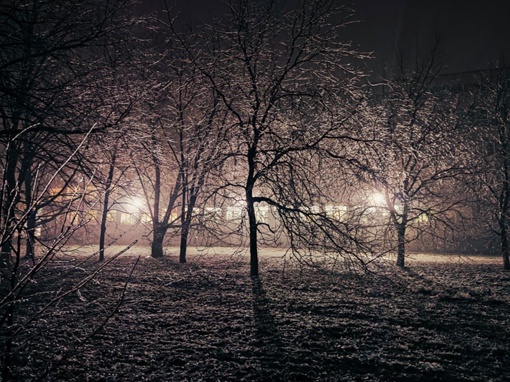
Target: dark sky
[(473, 33)]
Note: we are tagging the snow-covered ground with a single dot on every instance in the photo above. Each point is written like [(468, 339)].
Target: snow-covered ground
[(444, 318)]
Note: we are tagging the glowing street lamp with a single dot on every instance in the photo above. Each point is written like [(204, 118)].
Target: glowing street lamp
[(378, 199), (135, 204)]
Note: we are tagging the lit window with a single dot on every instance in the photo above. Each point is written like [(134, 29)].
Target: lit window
[(234, 213), (128, 219)]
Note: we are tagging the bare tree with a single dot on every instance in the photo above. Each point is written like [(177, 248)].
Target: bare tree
[(415, 170), (193, 111), (108, 155), (46, 60), (181, 133), (49, 107), (493, 138), (110, 179), (269, 64), (160, 181)]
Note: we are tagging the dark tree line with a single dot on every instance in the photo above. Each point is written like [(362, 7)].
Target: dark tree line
[(57, 65), (492, 183)]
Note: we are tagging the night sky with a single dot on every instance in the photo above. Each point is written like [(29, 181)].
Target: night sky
[(473, 33)]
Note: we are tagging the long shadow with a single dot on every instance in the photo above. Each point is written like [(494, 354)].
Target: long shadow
[(273, 356), (416, 276)]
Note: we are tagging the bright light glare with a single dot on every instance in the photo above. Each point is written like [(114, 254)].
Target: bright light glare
[(378, 199), (135, 204)]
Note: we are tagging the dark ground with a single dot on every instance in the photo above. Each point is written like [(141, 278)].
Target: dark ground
[(209, 321)]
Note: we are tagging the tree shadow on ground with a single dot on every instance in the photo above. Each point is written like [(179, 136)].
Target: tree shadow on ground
[(269, 342)]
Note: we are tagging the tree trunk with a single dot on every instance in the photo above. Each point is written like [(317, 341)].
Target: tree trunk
[(9, 198), (184, 242), (184, 216), (504, 201), (102, 227), (157, 243), (183, 246), (106, 203), (401, 246), (252, 224), (31, 227), (31, 210), (504, 251), (504, 241)]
